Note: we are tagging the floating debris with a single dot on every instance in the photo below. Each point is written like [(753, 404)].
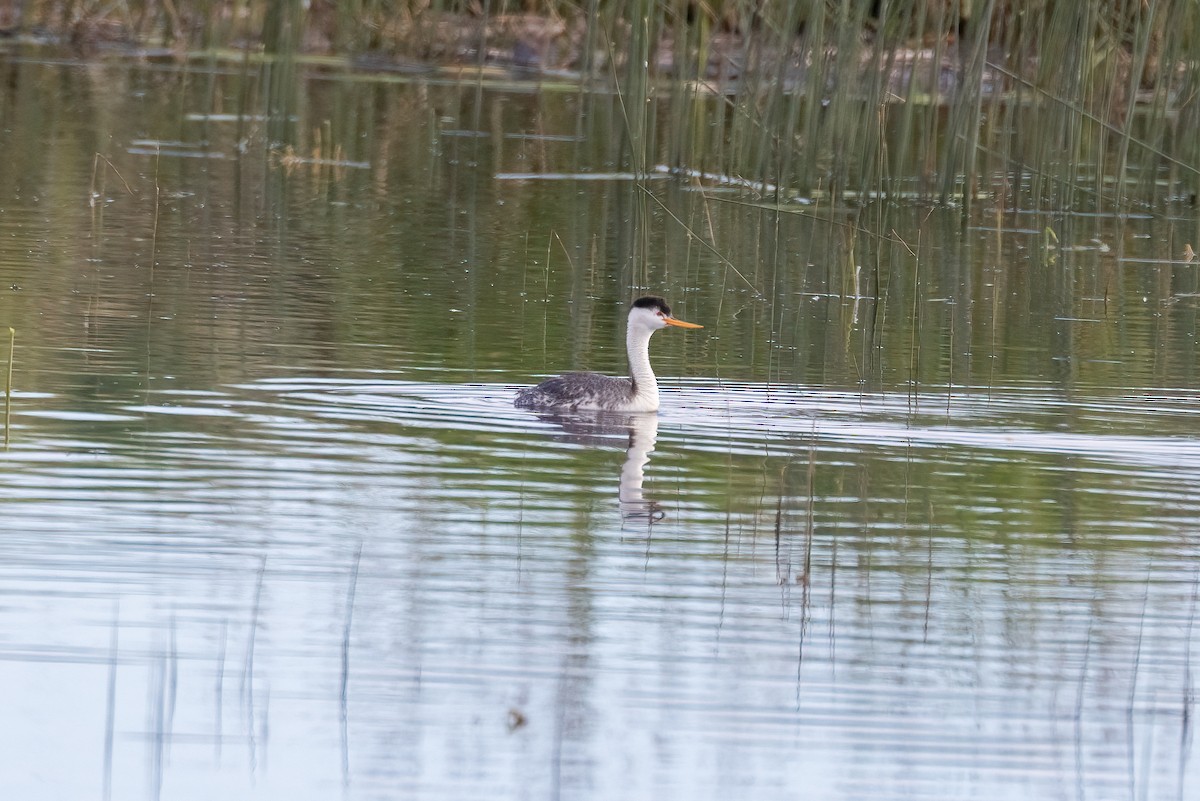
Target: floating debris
[(572, 176)]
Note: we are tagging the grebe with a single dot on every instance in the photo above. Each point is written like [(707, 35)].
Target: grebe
[(592, 391)]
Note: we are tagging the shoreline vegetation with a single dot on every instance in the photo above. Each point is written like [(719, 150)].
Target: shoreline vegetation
[(1087, 106)]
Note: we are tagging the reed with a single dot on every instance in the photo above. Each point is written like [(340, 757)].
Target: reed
[(942, 101), (12, 342)]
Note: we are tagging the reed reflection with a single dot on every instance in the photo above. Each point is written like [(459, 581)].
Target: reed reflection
[(640, 432)]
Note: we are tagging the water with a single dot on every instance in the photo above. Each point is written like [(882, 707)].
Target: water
[(904, 528)]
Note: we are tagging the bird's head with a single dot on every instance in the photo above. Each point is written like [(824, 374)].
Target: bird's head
[(653, 313)]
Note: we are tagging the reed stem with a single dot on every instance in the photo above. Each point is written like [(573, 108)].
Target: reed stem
[(12, 341)]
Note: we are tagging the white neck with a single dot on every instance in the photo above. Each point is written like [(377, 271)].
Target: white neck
[(637, 346)]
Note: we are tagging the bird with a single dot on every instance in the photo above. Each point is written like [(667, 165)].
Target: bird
[(596, 392)]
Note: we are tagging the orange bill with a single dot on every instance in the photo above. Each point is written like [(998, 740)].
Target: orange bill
[(680, 323)]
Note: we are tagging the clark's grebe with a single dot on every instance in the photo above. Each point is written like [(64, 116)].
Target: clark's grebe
[(592, 391)]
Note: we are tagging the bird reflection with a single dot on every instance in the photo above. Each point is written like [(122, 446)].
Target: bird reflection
[(641, 431)]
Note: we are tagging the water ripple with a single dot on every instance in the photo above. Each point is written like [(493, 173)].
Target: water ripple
[(782, 577)]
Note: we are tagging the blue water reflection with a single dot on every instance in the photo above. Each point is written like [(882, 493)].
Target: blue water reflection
[(382, 587)]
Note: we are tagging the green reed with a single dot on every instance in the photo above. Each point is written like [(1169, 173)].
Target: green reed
[(1085, 106)]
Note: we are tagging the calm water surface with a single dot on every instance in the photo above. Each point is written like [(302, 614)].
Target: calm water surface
[(918, 518)]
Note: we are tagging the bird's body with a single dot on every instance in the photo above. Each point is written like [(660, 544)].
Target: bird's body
[(596, 392), (587, 392)]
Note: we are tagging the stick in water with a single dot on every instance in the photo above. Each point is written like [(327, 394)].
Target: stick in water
[(12, 340)]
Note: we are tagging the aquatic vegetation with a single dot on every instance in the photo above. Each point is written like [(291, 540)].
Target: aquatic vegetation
[(937, 101)]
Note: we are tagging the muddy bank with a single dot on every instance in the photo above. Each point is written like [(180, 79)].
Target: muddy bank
[(716, 52), (926, 51)]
